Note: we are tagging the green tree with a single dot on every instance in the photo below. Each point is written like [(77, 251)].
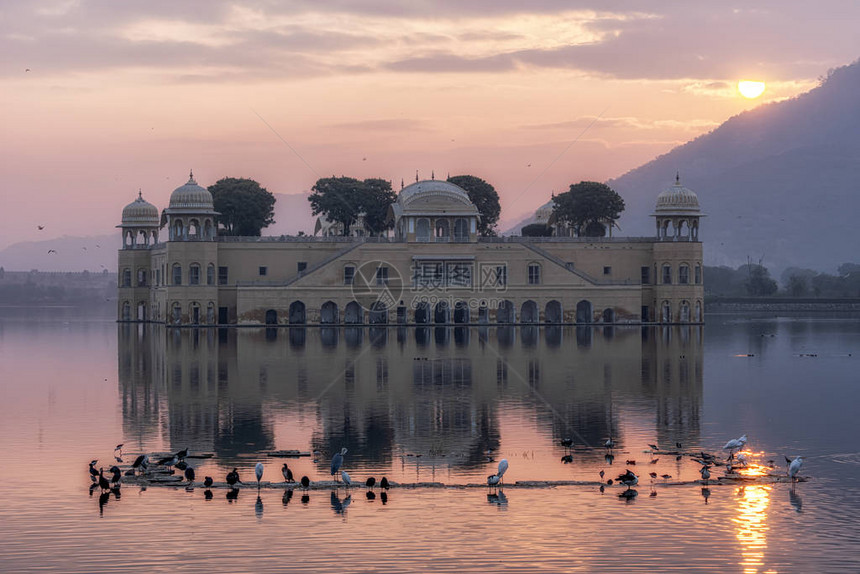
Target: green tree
[(797, 286), (244, 207), (587, 207), (536, 230), (376, 197), (485, 198), (341, 199)]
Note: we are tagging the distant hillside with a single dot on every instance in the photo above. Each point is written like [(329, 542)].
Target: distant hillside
[(779, 182)]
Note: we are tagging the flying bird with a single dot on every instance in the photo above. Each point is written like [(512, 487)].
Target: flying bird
[(52, 250), (41, 227)]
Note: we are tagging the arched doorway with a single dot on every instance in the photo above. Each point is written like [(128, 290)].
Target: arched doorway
[(666, 312), (442, 314), (126, 311), (461, 229), (353, 314), (378, 313), (698, 314), (329, 313), (506, 312), (271, 317), (584, 312), (461, 312), (684, 312), (297, 313), (443, 230), (483, 314), (609, 315), (422, 313), (529, 312), (423, 231), (553, 312), (141, 311)]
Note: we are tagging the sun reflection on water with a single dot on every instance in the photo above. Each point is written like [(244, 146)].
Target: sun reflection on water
[(751, 525)]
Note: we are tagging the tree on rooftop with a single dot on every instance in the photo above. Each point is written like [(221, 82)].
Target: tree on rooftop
[(587, 207), (244, 207), (485, 198)]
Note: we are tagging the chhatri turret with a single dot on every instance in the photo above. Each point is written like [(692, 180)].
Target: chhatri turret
[(140, 223), (191, 213), (677, 213)]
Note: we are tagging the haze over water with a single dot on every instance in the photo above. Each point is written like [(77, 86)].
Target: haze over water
[(420, 405)]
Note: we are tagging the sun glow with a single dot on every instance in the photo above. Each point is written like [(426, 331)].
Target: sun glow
[(751, 89)]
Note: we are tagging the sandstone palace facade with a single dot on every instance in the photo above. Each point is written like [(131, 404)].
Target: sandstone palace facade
[(433, 269)]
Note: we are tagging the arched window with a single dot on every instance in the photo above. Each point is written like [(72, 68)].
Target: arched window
[(194, 229), (178, 230), (210, 274), (667, 274), (684, 274), (210, 313), (194, 274), (141, 277), (442, 230), (126, 277), (177, 274), (698, 277), (126, 311), (461, 229), (423, 233), (177, 313)]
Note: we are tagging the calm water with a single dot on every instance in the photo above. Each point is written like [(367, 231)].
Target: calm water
[(422, 405)]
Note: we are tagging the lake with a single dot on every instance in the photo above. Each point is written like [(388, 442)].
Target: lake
[(430, 405)]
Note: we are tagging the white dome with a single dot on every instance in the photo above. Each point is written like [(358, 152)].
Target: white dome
[(677, 199), (140, 213), (191, 197), (431, 187)]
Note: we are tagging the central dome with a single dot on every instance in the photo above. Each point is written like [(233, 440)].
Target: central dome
[(431, 187), (140, 212), (191, 197)]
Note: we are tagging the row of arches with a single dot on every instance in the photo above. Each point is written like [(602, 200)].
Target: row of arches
[(669, 276), (686, 313), (440, 314), (192, 229)]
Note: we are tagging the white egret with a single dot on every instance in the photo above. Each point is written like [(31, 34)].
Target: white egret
[(337, 462), (258, 470), (794, 468), (735, 444), (503, 467)]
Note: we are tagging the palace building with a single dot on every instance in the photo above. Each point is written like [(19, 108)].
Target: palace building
[(433, 269)]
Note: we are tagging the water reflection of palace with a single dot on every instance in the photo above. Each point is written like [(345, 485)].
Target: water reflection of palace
[(382, 392)]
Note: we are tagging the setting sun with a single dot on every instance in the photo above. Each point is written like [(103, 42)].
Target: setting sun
[(751, 89)]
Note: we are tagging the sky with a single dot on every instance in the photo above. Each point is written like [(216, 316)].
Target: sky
[(100, 99)]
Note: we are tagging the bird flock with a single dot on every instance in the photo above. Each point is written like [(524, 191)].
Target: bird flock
[(143, 466)]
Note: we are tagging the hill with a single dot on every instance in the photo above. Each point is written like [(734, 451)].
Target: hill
[(778, 183)]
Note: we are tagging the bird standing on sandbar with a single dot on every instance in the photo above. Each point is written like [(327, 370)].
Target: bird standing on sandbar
[(794, 468), (370, 483), (383, 484), (503, 468), (288, 474), (189, 474), (233, 478), (337, 462), (706, 474), (306, 482), (346, 479), (628, 479), (258, 470)]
